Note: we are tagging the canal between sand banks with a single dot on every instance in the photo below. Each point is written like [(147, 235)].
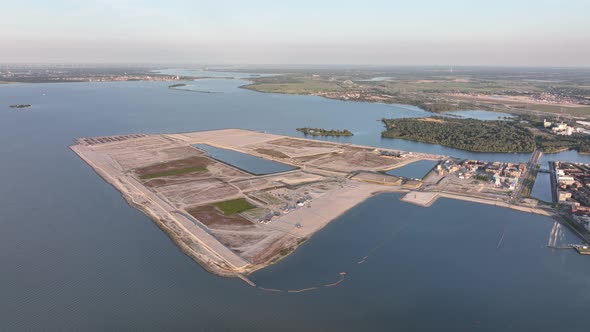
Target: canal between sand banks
[(75, 256), (416, 170), (246, 162)]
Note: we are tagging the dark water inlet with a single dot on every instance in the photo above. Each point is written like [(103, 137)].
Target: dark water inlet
[(249, 163)]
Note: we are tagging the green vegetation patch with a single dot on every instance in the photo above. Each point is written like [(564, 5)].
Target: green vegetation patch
[(234, 206), (173, 172), (324, 132), (465, 134)]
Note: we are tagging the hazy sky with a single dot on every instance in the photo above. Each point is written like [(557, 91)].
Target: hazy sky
[(410, 32)]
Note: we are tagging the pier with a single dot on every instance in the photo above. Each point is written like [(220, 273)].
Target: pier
[(581, 249)]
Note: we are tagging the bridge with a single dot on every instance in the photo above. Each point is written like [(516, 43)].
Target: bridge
[(532, 164)]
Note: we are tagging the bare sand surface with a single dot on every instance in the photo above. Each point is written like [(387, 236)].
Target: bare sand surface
[(326, 208), (226, 137)]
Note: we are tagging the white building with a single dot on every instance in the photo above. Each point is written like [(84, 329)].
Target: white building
[(567, 180)]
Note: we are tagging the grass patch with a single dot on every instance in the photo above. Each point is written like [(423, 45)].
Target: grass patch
[(234, 206), (172, 172)]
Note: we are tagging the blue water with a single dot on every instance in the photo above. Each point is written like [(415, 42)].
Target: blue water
[(75, 256), (249, 163), (415, 170), (542, 187), (455, 266)]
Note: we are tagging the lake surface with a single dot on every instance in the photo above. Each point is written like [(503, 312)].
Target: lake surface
[(75, 256), (415, 170), (246, 162)]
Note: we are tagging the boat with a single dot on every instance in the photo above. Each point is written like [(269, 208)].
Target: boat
[(581, 249)]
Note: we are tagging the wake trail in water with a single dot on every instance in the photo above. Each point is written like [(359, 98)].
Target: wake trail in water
[(501, 239), (554, 235)]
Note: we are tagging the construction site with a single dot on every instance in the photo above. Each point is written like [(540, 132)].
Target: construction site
[(231, 218)]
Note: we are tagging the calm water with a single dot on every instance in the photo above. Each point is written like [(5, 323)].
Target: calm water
[(456, 266), (415, 170), (542, 187), (75, 256), (246, 162)]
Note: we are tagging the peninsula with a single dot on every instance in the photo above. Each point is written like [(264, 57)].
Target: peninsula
[(234, 220)]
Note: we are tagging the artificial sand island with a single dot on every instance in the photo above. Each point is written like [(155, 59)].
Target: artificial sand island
[(233, 222)]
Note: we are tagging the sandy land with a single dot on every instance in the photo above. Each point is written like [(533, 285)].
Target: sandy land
[(327, 208), (228, 138)]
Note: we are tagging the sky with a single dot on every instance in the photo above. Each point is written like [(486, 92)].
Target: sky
[(367, 32)]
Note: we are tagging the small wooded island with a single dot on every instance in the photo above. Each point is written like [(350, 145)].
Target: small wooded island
[(518, 135), (20, 106), (324, 132)]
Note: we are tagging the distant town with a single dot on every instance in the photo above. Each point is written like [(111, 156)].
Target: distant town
[(19, 74)]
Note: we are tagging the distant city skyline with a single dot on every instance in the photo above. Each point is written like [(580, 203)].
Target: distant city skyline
[(426, 32)]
